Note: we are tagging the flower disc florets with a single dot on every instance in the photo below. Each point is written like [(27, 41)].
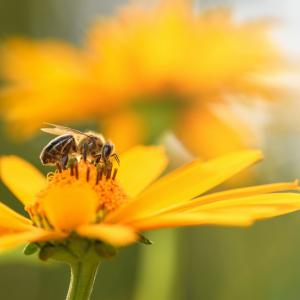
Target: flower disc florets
[(81, 194)]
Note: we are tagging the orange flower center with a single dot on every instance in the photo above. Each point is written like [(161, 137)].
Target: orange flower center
[(79, 195)]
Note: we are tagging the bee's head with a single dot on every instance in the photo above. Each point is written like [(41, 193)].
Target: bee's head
[(107, 150)]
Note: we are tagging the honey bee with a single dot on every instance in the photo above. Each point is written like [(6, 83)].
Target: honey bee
[(74, 144)]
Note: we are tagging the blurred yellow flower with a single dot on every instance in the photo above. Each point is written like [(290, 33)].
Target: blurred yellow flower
[(146, 55), (116, 210)]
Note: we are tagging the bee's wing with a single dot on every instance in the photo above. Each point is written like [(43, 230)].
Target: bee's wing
[(60, 130), (54, 131)]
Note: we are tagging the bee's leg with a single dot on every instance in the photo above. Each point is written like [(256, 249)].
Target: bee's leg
[(64, 161), (88, 171), (108, 169), (84, 151), (99, 173), (114, 174), (58, 167), (108, 173), (71, 169), (71, 163), (97, 160), (76, 170)]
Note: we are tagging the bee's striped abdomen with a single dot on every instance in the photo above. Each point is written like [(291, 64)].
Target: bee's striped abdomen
[(57, 148)]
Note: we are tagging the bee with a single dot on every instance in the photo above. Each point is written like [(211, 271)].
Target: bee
[(74, 144)]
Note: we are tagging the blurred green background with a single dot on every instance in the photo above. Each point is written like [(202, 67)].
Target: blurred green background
[(261, 262)]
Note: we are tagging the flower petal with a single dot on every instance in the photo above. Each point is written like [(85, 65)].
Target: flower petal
[(24, 180), (232, 194), (68, 206), (185, 183), (16, 239), (278, 200), (48, 70), (10, 220), (236, 212), (191, 219), (139, 167), (116, 235)]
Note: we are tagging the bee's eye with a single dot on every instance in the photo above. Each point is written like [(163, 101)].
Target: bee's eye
[(107, 150)]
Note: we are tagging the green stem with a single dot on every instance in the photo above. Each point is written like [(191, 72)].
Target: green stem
[(83, 274)]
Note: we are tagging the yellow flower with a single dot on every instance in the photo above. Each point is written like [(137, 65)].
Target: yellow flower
[(116, 208), (146, 54)]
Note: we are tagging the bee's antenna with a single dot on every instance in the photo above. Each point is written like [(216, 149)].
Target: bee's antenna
[(116, 157)]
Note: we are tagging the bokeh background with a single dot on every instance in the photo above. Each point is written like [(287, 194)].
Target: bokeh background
[(261, 262)]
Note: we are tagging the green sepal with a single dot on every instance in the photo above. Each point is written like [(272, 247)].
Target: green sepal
[(145, 240), (105, 250), (59, 253), (77, 245), (46, 252), (30, 248)]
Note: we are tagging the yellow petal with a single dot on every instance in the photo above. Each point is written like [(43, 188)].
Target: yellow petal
[(11, 220), (116, 235), (24, 180), (191, 219), (48, 70), (279, 200), (235, 212), (256, 212), (69, 206), (185, 183), (16, 239), (234, 193), (139, 167)]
